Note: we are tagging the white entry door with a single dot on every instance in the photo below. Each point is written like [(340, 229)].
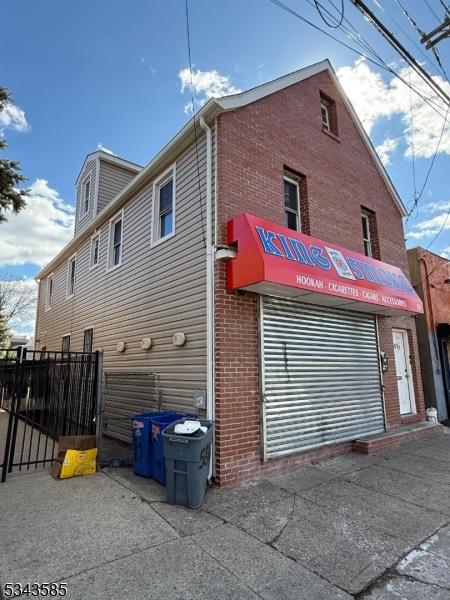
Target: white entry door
[(403, 371)]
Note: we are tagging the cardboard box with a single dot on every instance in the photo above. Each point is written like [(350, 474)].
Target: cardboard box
[(70, 442), (76, 442), (56, 466), (55, 469)]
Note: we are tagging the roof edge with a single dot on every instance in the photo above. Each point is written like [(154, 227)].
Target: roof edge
[(257, 93), (270, 87), (111, 158), (211, 109)]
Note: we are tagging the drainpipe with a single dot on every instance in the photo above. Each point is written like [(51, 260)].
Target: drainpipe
[(210, 412)]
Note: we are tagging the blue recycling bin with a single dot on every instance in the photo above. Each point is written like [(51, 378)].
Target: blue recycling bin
[(158, 423), (141, 428), (148, 446)]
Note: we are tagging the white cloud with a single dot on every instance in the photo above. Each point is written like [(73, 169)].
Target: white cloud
[(205, 85), (375, 99), (431, 227), (100, 146), (39, 231), (437, 206), (445, 252), (13, 117), (385, 150)]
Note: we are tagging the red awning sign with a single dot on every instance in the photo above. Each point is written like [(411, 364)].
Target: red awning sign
[(275, 260)]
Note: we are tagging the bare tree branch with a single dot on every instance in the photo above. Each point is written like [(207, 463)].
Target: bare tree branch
[(17, 299)]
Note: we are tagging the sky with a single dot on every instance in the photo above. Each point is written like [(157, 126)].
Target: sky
[(114, 75)]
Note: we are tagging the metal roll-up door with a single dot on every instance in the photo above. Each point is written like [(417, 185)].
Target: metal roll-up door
[(321, 379)]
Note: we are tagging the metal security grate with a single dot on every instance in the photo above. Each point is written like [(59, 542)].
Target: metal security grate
[(126, 394), (321, 376)]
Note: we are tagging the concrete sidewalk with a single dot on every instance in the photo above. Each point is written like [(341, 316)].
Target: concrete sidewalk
[(372, 527)]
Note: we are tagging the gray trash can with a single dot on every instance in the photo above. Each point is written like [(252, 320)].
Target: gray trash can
[(187, 464)]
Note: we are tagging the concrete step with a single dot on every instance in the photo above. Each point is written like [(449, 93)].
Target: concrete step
[(395, 437)]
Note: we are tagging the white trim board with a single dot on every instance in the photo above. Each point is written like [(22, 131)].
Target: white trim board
[(169, 174), (119, 216)]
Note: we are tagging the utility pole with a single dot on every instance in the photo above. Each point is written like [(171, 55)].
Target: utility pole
[(430, 40), (404, 53)]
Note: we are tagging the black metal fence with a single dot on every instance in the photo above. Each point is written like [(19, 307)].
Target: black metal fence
[(44, 395)]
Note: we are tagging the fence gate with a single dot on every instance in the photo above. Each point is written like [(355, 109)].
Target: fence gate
[(44, 395)]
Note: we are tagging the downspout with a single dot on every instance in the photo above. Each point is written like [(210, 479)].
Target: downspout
[(210, 412), (38, 299)]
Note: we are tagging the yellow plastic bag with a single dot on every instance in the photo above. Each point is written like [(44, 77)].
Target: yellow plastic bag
[(79, 462)]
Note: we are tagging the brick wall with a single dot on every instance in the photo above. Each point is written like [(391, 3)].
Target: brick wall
[(256, 144)]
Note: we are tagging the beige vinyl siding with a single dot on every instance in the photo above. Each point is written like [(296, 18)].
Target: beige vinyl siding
[(81, 220), (155, 293), (112, 180)]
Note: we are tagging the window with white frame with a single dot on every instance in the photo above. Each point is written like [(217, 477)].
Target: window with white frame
[(71, 277), (88, 339), (328, 112), (115, 241), (366, 234), (164, 206), (325, 116), (291, 204), (49, 293), (95, 251), (85, 195)]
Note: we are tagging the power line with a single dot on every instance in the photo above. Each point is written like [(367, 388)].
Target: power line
[(191, 87), (338, 23), (357, 38), (422, 34), (432, 11), (412, 140), (419, 196), (404, 53), (440, 230), (419, 70), (317, 28), (433, 105), (415, 44), (445, 7)]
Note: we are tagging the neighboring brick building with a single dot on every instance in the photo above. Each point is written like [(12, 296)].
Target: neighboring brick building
[(286, 333), (430, 276)]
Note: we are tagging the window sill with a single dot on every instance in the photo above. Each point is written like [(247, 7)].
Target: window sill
[(331, 134), (163, 239), (69, 297), (91, 268), (114, 268)]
